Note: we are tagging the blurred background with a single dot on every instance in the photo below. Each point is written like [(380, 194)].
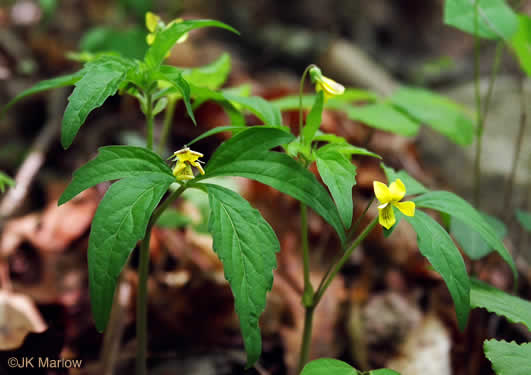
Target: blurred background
[(388, 308)]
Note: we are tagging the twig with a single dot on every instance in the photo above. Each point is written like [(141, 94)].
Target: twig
[(35, 159)]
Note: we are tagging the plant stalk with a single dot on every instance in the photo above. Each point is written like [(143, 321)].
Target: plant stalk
[(307, 297), (306, 337), (168, 117), (149, 121), (143, 273), (301, 89)]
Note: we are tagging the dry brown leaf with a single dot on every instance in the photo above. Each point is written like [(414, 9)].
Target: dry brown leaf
[(18, 318)]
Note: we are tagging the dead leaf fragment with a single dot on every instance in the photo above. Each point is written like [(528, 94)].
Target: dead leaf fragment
[(18, 318)]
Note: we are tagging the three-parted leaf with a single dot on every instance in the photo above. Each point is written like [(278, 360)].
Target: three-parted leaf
[(167, 38), (339, 174), (53, 83), (384, 117), (455, 206), (101, 79), (246, 245), (508, 358), (113, 163), (438, 112), (119, 223), (515, 309), (246, 155), (495, 19), (437, 246)]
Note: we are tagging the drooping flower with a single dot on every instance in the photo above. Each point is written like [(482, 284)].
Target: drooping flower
[(186, 159), (389, 197), (322, 83), (154, 24)]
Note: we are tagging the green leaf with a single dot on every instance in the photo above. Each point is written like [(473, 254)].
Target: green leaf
[(119, 223), (216, 130), (384, 117), (516, 310), (130, 42), (383, 371), (438, 112), (246, 245), (212, 76), (54, 83), (292, 102), (246, 155), (113, 163), (495, 19), (102, 79), (521, 42), (167, 38), (182, 86), (437, 246), (173, 219), (202, 94), (471, 241), (328, 366), (339, 174), (264, 110), (313, 120), (5, 180), (347, 149), (524, 218), (413, 187), (455, 206), (508, 358)]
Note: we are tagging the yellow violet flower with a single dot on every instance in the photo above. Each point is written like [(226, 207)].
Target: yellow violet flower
[(186, 159), (389, 197), (330, 87), (154, 24)]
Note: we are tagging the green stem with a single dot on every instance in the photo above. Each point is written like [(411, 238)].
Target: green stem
[(168, 117), (307, 297), (149, 120), (143, 273), (306, 337), (319, 293), (301, 89)]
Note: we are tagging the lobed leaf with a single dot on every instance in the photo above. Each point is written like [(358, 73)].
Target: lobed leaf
[(508, 358), (176, 79), (437, 246), (246, 245), (455, 206), (113, 163), (515, 309), (212, 76), (438, 112), (101, 79), (119, 223)]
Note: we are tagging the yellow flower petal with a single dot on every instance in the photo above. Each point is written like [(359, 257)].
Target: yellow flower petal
[(152, 20), (150, 38), (382, 192), (185, 173), (331, 87), (198, 166), (397, 189), (407, 208), (386, 217), (185, 154)]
